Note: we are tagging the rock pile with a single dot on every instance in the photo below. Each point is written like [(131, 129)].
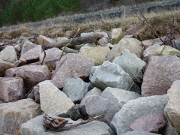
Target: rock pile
[(95, 74)]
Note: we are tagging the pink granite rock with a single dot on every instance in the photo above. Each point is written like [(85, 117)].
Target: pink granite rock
[(151, 50), (159, 75), (71, 66), (4, 65), (151, 123), (11, 88)]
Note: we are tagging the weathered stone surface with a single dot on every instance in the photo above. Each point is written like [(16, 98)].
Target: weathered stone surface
[(88, 46), (27, 45), (15, 113), (160, 73), (4, 65), (139, 133), (135, 109), (71, 66), (11, 88), (35, 127), (42, 40), (52, 100), (165, 50), (97, 53), (147, 43), (52, 55), (97, 105), (151, 123), (116, 35), (110, 75), (75, 89), (32, 54), (172, 109), (32, 74), (130, 63), (60, 39), (150, 51), (103, 41), (169, 130), (119, 96), (131, 44), (104, 34), (8, 54)]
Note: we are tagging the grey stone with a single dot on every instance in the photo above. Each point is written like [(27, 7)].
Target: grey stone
[(131, 44), (130, 63), (71, 66), (13, 114), (35, 127), (104, 34), (75, 89), (42, 40), (116, 35), (32, 54), (97, 105), (27, 45), (169, 130), (135, 109), (159, 75), (4, 65), (139, 133), (110, 75), (103, 41), (151, 50), (52, 100), (8, 54), (11, 89), (119, 96)]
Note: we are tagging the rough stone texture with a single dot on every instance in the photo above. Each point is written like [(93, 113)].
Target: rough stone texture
[(42, 40), (71, 66), (135, 109), (172, 109), (151, 123), (97, 105), (130, 63), (35, 127), (147, 43), (110, 75), (60, 39), (94, 92), (52, 55), (119, 96), (8, 54), (169, 130), (167, 50), (104, 34), (32, 74), (139, 133), (150, 51), (32, 54), (98, 54), (160, 73), (13, 114), (131, 44), (4, 65), (52, 100), (103, 41), (116, 35), (87, 46), (75, 89), (27, 46), (11, 88)]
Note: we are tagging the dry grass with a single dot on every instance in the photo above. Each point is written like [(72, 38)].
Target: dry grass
[(161, 22)]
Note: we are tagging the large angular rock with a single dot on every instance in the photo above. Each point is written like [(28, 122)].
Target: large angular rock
[(52, 55), (97, 105), (11, 88), (75, 89), (32, 74), (135, 109), (8, 54), (130, 63), (42, 40), (119, 96), (13, 114), (71, 66), (116, 35), (32, 54), (172, 109), (110, 75), (27, 45), (4, 65), (151, 123), (160, 73), (139, 133), (151, 50), (52, 100), (131, 44), (165, 50), (35, 127), (98, 54)]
